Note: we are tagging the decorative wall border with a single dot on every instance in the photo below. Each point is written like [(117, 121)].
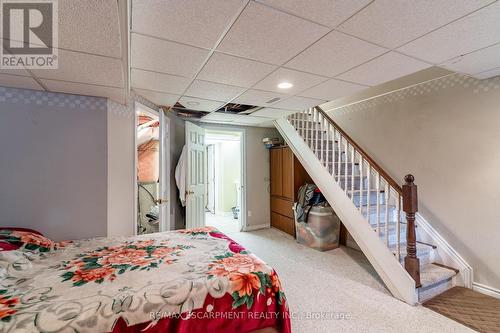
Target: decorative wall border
[(424, 88), (50, 99)]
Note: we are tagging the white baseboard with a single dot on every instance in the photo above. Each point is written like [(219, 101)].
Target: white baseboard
[(457, 261), (487, 290), (256, 227)]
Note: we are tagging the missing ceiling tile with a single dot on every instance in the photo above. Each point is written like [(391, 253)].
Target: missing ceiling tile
[(184, 112), (232, 108)]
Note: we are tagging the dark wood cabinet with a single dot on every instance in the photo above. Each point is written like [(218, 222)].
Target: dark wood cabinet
[(276, 179), (287, 175)]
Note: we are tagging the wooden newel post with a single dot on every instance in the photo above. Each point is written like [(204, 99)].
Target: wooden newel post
[(410, 207)]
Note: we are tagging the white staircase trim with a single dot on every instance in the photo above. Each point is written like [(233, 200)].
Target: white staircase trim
[(447, 254), (395, 277)]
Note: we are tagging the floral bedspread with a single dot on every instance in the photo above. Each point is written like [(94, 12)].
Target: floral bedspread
[(91, 285)]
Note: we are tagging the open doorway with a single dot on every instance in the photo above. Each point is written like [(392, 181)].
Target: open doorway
[(225, 199), (152, 170)]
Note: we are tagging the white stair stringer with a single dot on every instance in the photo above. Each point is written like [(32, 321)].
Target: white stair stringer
[(395, 277)]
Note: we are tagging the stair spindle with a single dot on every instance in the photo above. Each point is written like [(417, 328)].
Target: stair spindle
[(410, 207), (314, 125)]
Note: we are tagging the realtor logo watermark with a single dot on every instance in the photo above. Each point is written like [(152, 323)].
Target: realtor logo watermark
[(29, 34)]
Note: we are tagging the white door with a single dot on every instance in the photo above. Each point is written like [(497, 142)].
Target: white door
[(196, 175), (164, 181)]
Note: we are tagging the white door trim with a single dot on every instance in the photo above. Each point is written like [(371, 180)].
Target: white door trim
[(243, 169), (165, 220)]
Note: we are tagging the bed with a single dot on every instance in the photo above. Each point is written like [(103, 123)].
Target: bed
[(193, 280)]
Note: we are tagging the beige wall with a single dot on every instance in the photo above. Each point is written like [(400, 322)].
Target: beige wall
[(121, 195), (53, 168), (257, 169), (228, 173), (447, 133)]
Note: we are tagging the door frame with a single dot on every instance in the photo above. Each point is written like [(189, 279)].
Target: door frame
[(243, 169), (209, 167), (165, 218)]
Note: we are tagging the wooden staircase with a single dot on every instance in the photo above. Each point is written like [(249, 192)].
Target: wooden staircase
[(387, 208)]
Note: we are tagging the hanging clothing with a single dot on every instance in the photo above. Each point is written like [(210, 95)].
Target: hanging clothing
[(180, 176)]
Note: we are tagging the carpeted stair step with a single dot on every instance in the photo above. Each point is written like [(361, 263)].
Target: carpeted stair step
[(342, 166), (392, 231), (435, 279), (431, 274), (352, 180), (364, 195), (333, 157), (425, 252), (322, 144), (300, 125)]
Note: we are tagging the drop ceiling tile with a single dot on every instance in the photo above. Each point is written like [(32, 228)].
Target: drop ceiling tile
[(332, 89), (158, 82), (213, 91), (166, 57), (300, 80), (267, 124), (475, 31), (116, 94), (90, 26), (200, 104), (234, 71), (85, 68), (258, 97), (273, 113), (249, 120), (392, 23), (199, 23), (327, 12), (385, 68), (298, 103), (17, 81), (266, 34), (159, 98), (476, 62), (235, 119), (488, 74), (346, 52)]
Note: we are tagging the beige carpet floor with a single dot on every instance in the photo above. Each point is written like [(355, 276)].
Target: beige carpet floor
[(338, 290), (226, 223)]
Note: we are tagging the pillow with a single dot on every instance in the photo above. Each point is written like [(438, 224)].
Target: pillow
[(18, 238), (21, 229)]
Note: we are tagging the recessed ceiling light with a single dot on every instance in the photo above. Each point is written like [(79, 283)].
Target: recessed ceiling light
[(193, 103), (285, 85)]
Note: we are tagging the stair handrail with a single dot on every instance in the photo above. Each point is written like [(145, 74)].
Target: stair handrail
[(367, 157), (406, 195)]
